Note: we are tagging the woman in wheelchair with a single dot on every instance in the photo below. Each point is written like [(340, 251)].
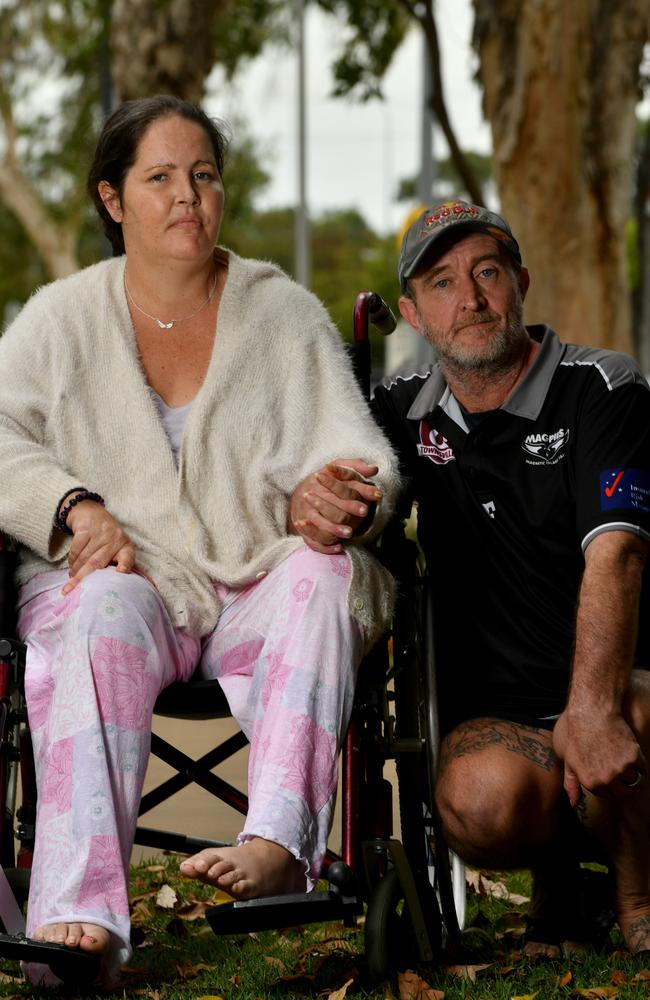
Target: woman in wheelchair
[(168, 417)]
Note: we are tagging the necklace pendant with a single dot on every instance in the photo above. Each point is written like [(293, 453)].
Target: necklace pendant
[(165, 326)]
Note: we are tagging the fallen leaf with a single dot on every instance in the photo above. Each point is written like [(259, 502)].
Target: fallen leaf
[(641, 977), (597, 992), (210, 996), (413, 987), (465, 971), (192, 911), (340, 994), (525, 996), (141, 913), (483, 886), (192, 971), (618, 978), (166, 897), (155, 868), (566, 978), (218, 897), (276, 963)]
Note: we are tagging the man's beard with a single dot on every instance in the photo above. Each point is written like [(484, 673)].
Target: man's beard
[(492, 356)]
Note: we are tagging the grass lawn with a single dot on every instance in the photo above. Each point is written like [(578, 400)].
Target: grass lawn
[(178, 956)]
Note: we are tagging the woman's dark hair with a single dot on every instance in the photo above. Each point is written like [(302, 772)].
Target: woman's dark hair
[(117, 148)]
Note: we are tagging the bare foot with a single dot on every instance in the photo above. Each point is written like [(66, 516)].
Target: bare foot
[(257, 868), (87, 937)]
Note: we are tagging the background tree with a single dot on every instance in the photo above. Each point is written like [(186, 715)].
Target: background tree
[(560, 83)]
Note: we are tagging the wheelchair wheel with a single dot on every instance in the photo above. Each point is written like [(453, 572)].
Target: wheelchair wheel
[(390, 942), (421, 835)]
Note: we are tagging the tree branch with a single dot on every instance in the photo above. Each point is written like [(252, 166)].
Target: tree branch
[(438, 104)]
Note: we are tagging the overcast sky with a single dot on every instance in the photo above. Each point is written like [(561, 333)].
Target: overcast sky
[(356, 154)]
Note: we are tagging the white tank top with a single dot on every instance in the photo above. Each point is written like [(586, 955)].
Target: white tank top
[(173, 420)]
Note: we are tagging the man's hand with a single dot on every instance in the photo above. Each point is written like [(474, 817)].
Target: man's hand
[(331, 504), (98, 541), (600, 754)]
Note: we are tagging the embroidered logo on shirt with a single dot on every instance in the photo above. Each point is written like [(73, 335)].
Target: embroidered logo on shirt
[(434, 446), (625, 489), (546, 448)]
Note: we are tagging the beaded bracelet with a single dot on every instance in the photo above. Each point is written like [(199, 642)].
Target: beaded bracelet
[(61, 520)]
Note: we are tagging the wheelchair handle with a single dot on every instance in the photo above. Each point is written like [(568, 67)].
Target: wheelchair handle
[(368, 308)]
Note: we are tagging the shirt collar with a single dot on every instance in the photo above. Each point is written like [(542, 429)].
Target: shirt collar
[(525, 401)]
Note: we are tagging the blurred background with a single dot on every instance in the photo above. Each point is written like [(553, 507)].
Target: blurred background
[(347, 117)]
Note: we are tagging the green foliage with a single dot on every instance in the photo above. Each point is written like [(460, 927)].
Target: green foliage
[(480, 163), (347, 258), (372, 31)]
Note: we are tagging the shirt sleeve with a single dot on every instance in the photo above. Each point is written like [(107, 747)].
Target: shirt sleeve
[(612, 465)]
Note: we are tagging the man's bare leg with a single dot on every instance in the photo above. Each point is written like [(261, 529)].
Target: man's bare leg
[(620, 821), (86, 937), (499, 796), (256, 868)]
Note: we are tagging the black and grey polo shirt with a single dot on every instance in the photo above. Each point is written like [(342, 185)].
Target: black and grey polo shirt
[(507, 502)]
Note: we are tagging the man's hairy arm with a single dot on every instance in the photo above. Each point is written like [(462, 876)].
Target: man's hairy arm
[(599, 749)]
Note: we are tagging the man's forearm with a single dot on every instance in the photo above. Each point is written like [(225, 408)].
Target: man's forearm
[(607, 622)]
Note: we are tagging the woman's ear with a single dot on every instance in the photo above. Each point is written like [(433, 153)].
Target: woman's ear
[(111, 200)]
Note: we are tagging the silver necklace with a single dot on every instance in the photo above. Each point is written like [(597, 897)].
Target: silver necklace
[(183, 319)]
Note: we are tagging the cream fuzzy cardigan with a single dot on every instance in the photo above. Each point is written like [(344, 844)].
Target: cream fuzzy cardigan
[(278, 402)]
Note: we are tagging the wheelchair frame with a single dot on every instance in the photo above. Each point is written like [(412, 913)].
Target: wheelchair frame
[(407, 886)]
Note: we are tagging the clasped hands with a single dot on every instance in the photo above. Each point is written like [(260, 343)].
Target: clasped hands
[(331, 505)]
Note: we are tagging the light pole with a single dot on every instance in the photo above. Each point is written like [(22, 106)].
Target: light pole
[(302, 241)]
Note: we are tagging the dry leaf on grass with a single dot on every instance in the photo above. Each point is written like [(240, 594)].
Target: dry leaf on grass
[(6, 977), (484, 886), (525, 996), (141, 913), (166, 897), (210, 996), (597, 992), (276, 963), (340, 994), (194, 910), (192, 971), (219, 896), (465, 971), (618, 978), (413, 987), (641, 977), (566, 978)]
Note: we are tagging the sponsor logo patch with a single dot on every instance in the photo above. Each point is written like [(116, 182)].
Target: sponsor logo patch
[(625, 489), (546, 449), (434, 446)]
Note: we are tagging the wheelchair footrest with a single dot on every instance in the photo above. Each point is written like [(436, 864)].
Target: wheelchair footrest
[(271, 912), (70, 965)]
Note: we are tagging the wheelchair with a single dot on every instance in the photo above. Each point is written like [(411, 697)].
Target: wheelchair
[(412, 896)]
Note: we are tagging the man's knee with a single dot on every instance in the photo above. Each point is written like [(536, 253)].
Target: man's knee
[(495, 815)]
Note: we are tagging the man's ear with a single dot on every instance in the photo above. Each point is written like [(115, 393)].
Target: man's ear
[(409, 311), (111, 200), (524, 282)]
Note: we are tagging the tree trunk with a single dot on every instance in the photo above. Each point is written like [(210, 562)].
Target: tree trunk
[(560, 82), (164, 48)]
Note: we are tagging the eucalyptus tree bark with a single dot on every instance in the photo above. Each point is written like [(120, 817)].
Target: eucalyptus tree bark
[(55, 241), (560, 82), (164, 46)]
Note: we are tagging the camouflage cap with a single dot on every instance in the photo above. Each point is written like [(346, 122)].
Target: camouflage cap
[(452, 219)]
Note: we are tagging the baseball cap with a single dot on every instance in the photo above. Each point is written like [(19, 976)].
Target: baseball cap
[(451, 220)]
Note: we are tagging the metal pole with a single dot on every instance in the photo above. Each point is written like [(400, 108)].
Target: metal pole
[(302, 241), (427, 166)]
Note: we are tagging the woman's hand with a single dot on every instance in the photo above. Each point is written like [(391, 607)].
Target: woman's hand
[(97, 541), (332, 504)]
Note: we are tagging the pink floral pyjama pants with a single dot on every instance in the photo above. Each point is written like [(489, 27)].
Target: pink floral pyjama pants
[(285, 651)]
